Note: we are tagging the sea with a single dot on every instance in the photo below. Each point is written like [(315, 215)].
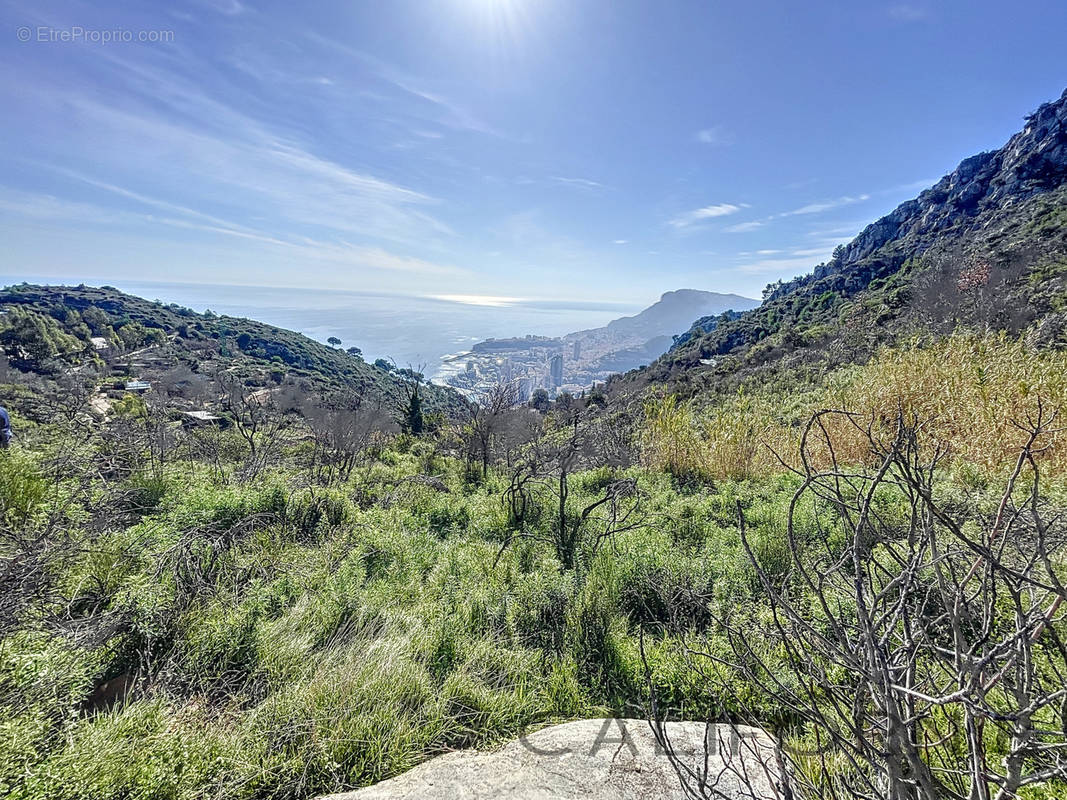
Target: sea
[(424, 332)]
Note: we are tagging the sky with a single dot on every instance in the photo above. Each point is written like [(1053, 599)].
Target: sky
[(488, 150)]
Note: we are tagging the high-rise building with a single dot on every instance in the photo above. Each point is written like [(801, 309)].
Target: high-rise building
[(555, 368), (577, 349)]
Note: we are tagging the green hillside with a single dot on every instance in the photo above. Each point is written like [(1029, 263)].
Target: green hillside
[(151, 340)]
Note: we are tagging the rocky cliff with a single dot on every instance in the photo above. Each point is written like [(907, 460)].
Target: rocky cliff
[(1033, 161), (985, 249)]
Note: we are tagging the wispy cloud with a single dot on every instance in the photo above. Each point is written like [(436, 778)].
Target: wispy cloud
[(621, 241), (584, 184), (190, 145), (810, 252), (782, 266), (705, 213), (908, 12), (228, 7), (235, 175), (580, 183), (837, 229), (446, 111), (377, 258), (826, 205), (912, 186), (744, 227), (715, 135), (46, 208)]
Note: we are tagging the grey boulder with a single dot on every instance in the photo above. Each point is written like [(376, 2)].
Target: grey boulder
[(612, 759)]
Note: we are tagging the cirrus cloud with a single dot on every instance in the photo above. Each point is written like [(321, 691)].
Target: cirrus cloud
[(744, 227), (706, 213)]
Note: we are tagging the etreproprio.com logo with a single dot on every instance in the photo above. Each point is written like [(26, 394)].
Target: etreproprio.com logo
[(76, 34)]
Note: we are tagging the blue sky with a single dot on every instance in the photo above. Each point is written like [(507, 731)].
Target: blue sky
[(603, 150)]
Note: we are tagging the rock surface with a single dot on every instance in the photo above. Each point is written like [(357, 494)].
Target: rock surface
[(596, 760), (962, 215), (1033, 161)]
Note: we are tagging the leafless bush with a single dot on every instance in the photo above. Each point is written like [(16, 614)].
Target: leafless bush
[(914, 656), (195, 560), (344, 428), (255, 417), (542, 480), (488, 415)]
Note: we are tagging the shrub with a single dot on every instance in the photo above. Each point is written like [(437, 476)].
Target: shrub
[(668, 598), (670, 441), (448, 517), (307, 512), (146, 492), (538, 615), (594, 635), (22, 488)]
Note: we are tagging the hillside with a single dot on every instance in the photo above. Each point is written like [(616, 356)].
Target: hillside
[(293, 610), (985, 248), (628, 342), (83, 327), (662, 317)]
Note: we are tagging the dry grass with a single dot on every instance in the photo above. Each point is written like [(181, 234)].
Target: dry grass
[(967, 391)]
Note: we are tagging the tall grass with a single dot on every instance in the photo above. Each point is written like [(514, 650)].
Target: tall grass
[(970, 393)]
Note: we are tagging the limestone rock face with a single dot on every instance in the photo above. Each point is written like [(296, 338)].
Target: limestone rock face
[(597, 760), (1033, 161)]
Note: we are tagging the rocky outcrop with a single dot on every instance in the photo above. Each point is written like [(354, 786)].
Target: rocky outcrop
[(597, 760), (1033, 161)]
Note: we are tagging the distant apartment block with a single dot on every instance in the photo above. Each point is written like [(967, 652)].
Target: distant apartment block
[(555, 369)]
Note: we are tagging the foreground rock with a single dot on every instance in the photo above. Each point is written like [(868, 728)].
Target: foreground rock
[(596, 760)]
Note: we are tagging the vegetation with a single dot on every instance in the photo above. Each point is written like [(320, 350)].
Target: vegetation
[(50, 329), (308, 595), (1002, 270), (970, 391)]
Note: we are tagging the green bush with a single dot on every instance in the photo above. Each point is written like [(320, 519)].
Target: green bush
[(448, 517), (308, 512), (146, 492), (23, 490), (667, 598)]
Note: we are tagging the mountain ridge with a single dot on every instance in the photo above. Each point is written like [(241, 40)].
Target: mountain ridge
[(64, 321), (985, 246), (676, 302)]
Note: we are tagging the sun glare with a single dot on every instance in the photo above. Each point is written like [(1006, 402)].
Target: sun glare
[(477, 300), (501, 21)]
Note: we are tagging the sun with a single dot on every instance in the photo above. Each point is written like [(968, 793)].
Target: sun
[(502, 21)]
